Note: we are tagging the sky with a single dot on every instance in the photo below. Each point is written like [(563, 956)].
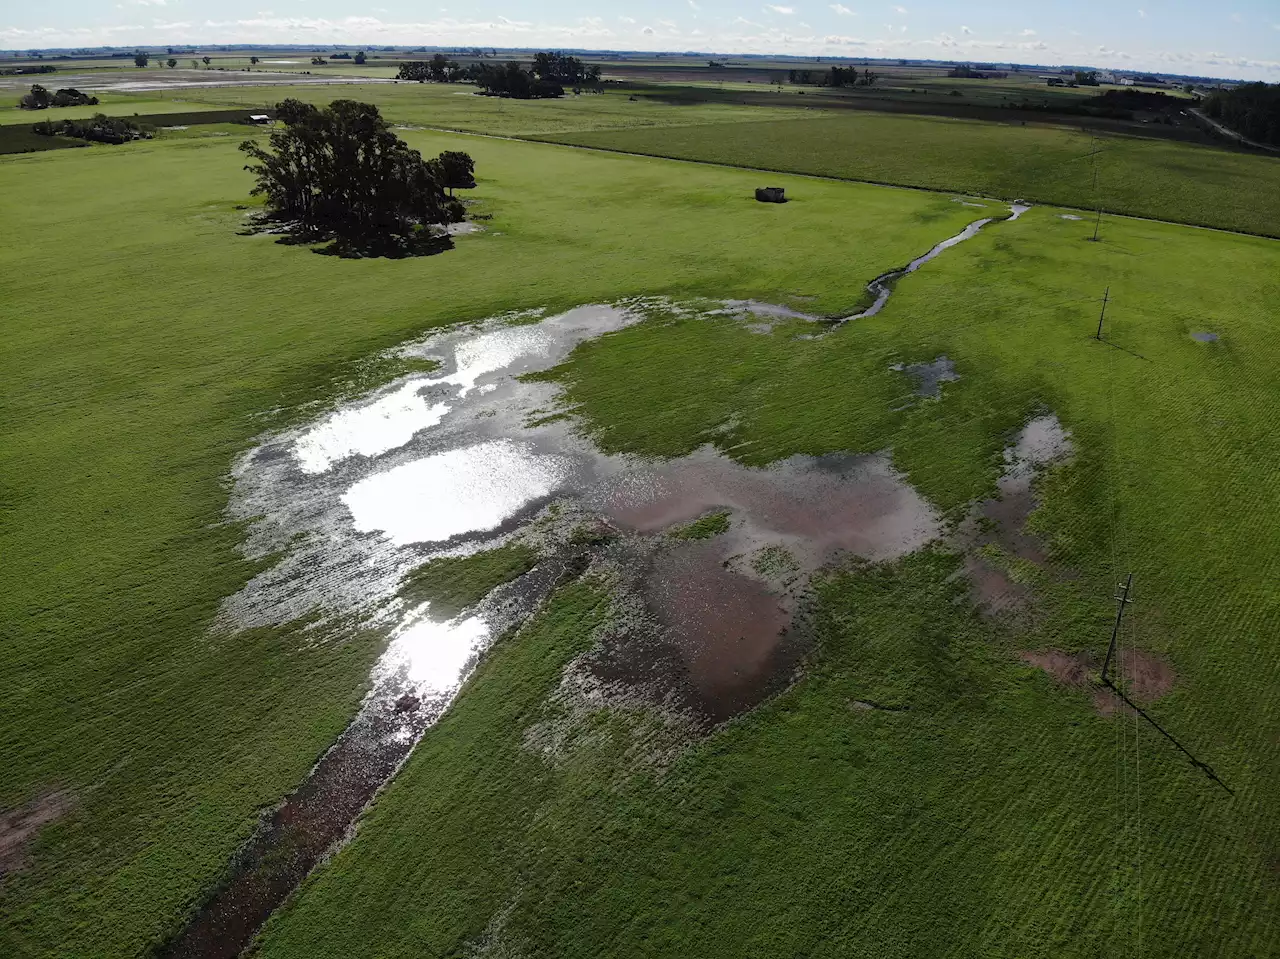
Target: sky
[(1237, 39)]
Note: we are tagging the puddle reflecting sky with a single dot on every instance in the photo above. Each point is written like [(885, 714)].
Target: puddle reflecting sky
[(468, 490)]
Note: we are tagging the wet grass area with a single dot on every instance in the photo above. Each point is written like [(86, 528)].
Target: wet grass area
[(787, 736), (444, 510)]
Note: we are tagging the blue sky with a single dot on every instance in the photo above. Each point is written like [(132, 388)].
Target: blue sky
[(1235, 38)]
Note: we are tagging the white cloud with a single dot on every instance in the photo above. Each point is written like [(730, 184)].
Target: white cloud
[(785, 11), (669, 24), (901, 10), (1028, 33), (1143, 14), (622, 32), (841, 9), (966, 31), (693, 6)]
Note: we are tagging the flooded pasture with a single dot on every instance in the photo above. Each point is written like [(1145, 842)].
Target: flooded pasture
[(929, 377), (998, 525), (725, 607), (473, 455), (467, 457), (120, 81)]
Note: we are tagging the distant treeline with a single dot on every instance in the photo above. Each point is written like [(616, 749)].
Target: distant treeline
[(964, 71), (835, 77), (41, 99), (1112, 105), (550, 74), (1252, 110), (25, 71), (99, 128)]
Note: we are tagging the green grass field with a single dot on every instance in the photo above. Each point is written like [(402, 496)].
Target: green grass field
[(112, 104), (147, 344), (1153, 178), (457, 107), (130, 399), (993, 816)]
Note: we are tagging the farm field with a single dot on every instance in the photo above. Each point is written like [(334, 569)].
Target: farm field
[(457, 107), (1046, 164), (993, 813), (934, 773), (169, 740), (116, 105)]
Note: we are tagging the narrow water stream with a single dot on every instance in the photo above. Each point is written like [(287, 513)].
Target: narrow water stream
[(881, 288)]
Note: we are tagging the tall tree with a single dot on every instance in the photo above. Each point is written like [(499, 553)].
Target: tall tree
[(455, 170), (38, 99), (141, 60), (171, 63), (1251, 109), (341, 172)]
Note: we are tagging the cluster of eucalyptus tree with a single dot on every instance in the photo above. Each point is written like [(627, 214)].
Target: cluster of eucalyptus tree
[(341, 173)]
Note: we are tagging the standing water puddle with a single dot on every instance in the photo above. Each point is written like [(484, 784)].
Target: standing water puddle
[(459, 460), (999, 523)]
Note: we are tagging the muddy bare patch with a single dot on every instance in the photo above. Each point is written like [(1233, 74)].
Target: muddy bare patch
[(718, 626), (18, 827), (1143, 676)]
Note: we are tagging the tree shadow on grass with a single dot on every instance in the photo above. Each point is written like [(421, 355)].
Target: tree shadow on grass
[(421, 242)]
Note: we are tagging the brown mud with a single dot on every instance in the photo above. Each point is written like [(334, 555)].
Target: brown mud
[(1143, 676), (18, 827), (724, 611)]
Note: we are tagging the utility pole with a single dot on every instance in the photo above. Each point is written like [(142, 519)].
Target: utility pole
[(1122, 600), (1097, 222), (1105, 296)]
